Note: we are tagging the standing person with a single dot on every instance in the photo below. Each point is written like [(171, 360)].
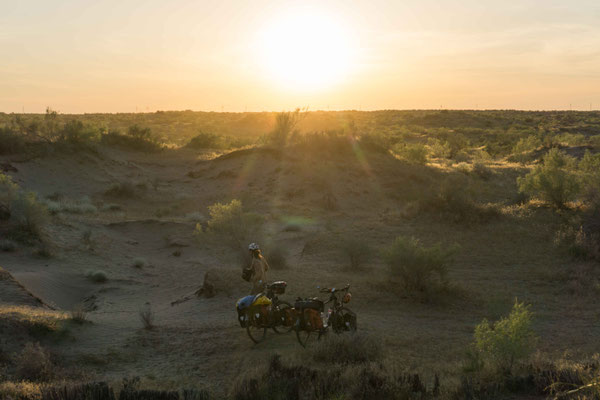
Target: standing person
[(259, 267)]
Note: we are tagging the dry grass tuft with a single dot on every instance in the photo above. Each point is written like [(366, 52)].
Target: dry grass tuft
[(147, 318), (34, 363)]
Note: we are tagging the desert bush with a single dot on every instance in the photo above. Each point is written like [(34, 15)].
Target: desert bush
[(508, 340), (79, 314), (195, 216), (277, 257), (8, 193), (139, 262), (438, 148), (137, 139), (81, 206), (419, 268), (285, 131), (77, 133), (23, 390), (553, 181), (122, 189), (357, 252), (7, 245), (11, 142), (205, 140), (482, 170), (97, 276), (452, 200), (375, 142), (230, 223), (111, 207), (333, 143), (526, 145), (348, 349), (27, 216), (34, 363), (147, 317), (298, 381), (414, 153)]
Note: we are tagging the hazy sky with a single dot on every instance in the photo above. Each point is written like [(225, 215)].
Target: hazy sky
[(113, 56)]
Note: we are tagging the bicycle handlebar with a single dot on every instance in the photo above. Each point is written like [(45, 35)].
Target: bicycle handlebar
[(333, 290)]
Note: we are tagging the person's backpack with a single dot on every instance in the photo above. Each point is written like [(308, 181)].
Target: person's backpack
[(247, 274)]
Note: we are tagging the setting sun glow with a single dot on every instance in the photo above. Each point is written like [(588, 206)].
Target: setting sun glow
[(305, 51)]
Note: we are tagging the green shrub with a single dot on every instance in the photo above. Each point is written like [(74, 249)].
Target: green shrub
[(452, 200), (230, 223), (97, 276), (439, 149), (482, 170), (76, 132), (357, 252), (27, 216), (508, 340), (139, 262), (414, 153), (419, 268), (553, 181), (7, 245), (8, 190)]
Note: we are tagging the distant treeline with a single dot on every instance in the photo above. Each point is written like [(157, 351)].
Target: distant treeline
[(178, 127)]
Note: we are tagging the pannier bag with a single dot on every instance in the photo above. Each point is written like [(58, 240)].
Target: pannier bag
[(242, 306), (287, 316), (278, 287), (247, 274), (312, 319), (313, 303)]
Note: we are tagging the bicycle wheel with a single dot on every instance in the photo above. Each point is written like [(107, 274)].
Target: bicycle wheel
[(255, 331), (281, 314), (305, 334)]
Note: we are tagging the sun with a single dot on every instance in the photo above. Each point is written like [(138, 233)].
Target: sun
[(305, 51)]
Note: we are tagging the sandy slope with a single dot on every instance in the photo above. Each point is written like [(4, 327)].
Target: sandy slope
[(198, 342)]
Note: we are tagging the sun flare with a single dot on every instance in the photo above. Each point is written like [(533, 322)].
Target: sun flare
[(305, 51)]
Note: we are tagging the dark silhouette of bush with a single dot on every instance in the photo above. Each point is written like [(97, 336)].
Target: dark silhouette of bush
[(357, 252), (11, 142), (348, 349), (137, 139), (419, 268)]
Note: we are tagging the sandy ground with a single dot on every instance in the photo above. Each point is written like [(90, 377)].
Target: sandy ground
[(198, 343)]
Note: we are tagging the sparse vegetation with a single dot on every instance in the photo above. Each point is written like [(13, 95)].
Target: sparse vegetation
[(418, 267), (230, 223), (348, 349), (357, 253), (97, 276), (552, 181), (79, 314), (507, 341), (147, 317), (123, 189), (139, 262), (34, 363)]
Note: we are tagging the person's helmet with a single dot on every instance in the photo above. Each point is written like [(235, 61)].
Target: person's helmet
[(347, 298), (253, 246)]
